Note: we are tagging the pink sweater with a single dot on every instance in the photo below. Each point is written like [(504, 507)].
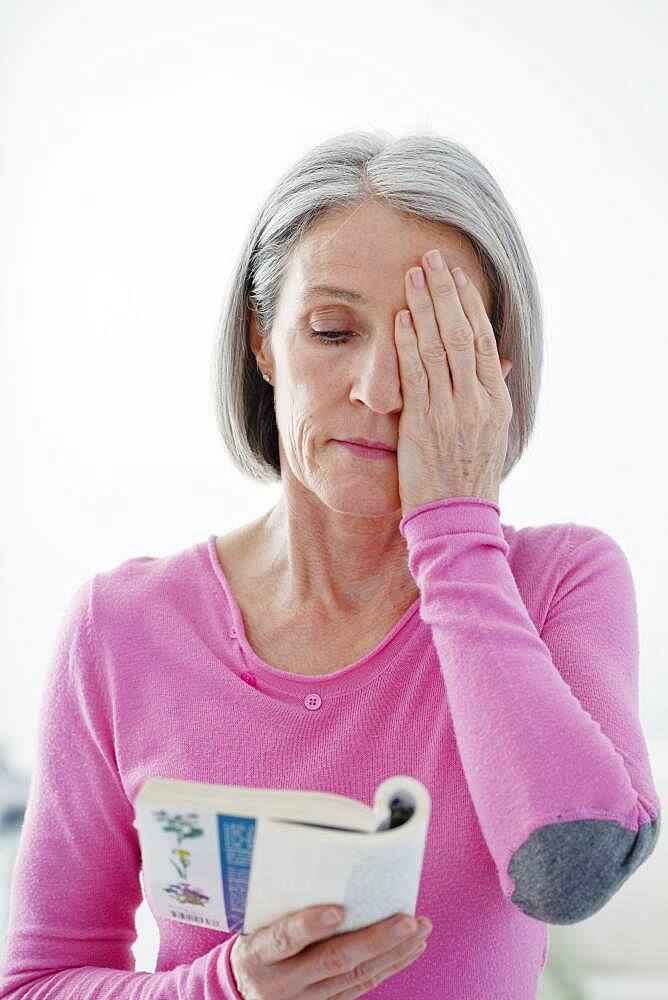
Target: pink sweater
[(510, 688)]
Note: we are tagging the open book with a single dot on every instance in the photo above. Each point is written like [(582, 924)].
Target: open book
[(234, 859)]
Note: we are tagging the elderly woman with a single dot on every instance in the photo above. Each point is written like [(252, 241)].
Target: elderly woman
[(378, 619)]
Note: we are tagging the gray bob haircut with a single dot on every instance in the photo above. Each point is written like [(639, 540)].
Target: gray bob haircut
[(426, 176)]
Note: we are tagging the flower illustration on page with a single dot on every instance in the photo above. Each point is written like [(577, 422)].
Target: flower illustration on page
[(184, 827)]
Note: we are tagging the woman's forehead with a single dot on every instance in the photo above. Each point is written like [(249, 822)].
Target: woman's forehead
[(359, 254)]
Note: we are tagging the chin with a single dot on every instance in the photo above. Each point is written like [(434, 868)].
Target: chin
[(371, 504)]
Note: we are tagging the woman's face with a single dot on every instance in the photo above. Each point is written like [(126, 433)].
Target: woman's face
[(324, 391)]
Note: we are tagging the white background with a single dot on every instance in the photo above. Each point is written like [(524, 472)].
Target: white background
[(137, 141)]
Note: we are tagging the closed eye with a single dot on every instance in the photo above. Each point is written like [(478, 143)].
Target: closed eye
[(327, 336)]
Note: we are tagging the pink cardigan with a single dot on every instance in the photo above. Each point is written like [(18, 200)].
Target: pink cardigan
[(510, 688)]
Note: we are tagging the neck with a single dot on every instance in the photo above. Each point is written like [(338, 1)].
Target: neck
[(333, 563)]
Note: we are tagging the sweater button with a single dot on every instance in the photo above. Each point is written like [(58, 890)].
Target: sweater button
[(232, 634), (313, 702), (250, 679)]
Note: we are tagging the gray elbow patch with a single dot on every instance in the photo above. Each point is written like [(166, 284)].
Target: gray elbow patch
[(567, 872)]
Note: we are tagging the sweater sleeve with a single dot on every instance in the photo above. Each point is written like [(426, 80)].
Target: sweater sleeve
[(546, 725), (75, 884)]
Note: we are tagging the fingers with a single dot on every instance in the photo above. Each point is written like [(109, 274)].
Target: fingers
[(286, 937), (431, 347), (291, 954), (375, 971), (452, 327), (347, 958)]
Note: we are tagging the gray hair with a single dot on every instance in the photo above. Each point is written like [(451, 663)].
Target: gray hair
[(426, 176)]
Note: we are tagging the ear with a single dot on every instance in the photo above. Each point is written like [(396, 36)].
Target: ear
[(258, 344)]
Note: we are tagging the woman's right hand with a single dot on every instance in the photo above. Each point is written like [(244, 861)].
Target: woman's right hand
[(289, 960)]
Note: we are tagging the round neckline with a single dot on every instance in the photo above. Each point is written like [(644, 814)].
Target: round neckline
[(349, 678)]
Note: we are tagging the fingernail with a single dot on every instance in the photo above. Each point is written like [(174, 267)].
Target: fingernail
[(330, 917), (417, 277), (404, 928), (434, 260)]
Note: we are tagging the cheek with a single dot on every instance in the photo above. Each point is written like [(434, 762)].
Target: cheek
[(308, 421), (313, 367)]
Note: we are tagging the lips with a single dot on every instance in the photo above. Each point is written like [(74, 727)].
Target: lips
[(365, 443)]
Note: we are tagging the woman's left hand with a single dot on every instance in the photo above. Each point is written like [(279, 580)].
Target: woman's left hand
[(453, 428)]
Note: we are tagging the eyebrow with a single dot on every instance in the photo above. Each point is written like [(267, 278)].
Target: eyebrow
[(338, 293)]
